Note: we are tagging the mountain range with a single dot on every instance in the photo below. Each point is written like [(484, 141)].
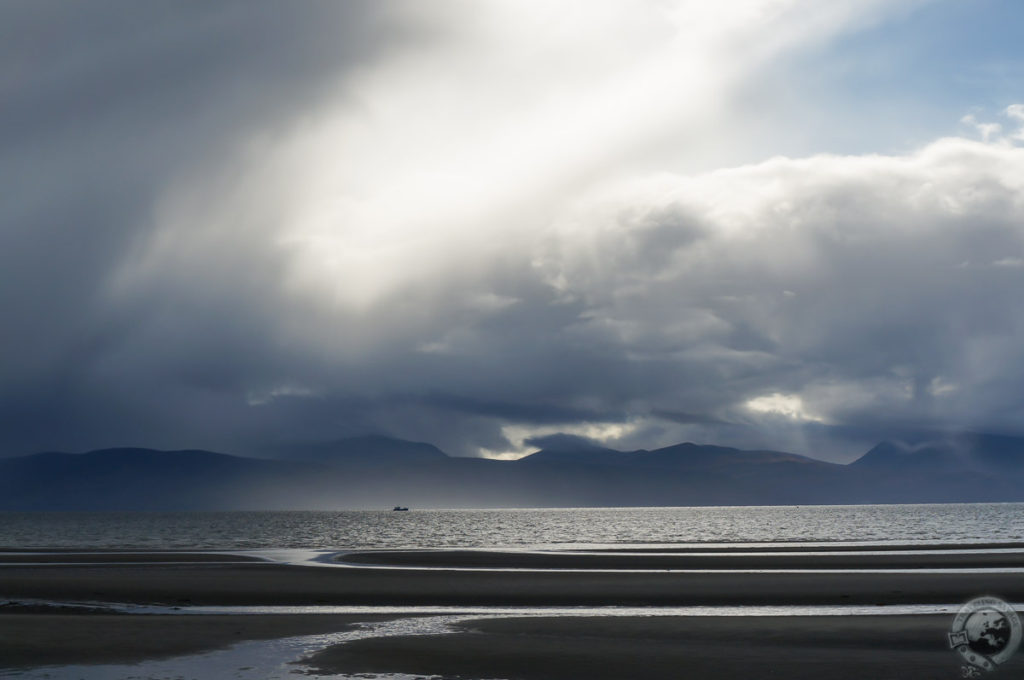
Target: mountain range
[(378, 472)]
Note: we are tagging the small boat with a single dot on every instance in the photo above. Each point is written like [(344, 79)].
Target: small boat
[(399, 508)]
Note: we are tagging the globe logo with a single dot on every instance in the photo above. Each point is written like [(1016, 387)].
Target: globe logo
[(985, 632), (988, 631)]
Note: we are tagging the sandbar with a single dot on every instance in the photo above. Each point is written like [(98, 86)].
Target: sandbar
[(656, 648), (42, 639)]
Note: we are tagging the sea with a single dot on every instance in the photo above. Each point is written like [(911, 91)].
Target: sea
[(548, 528)]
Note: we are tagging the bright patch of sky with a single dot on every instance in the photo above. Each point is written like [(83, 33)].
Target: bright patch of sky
[(899, 81)]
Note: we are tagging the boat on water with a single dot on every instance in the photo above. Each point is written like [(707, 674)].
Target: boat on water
[(399, 508)]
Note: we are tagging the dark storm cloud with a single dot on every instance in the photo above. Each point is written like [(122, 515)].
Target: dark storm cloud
[(103, 104), (561, 442), (537, 413)]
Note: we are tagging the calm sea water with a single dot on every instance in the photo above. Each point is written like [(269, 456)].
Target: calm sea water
[(539, 528)]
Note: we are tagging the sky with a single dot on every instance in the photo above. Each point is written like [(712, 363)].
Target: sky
[(777, 224)]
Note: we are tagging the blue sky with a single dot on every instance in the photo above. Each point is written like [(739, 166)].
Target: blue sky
[(897, 82), (927, 67)]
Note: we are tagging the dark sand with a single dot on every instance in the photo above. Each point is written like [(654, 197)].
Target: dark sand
[(607, 560), (141, 558), (41, 639), (656, 648), (265, 583), (514, 648), (832, 547)]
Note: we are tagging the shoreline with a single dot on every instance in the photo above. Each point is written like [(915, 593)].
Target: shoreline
[(513, 647), (508, 645), (226, 579), (689, 561), (729, 648), (38, 640)]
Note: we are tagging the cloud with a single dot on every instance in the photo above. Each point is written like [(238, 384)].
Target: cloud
[(986, 130), (785, 405), (106, 107), (991, 131), (830, 282), (452, 225), (525, 439)]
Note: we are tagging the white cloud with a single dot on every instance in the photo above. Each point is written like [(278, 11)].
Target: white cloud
[(518, 436), (264, 397), (994, 132), (430, 165), (869, 245), (787, 405), (1015, 112), (939, 387), (814, 291), (987, 130)]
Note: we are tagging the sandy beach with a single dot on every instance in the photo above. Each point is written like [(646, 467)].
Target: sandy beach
[(535, 648), (228, 582), (633, 648), (38, 638), (691, 560)]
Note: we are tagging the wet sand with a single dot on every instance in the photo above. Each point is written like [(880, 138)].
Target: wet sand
[(923, 559), (646, 648), (46, 639), (808, 547), (120, 557), (906, 647), (229, 583)]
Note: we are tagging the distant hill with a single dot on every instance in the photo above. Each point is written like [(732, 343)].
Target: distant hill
[(379, 472), (131, 478), (965, 466), (981, 454), (705, 475)]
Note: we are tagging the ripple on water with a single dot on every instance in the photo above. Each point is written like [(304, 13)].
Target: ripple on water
[(975, 522)]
